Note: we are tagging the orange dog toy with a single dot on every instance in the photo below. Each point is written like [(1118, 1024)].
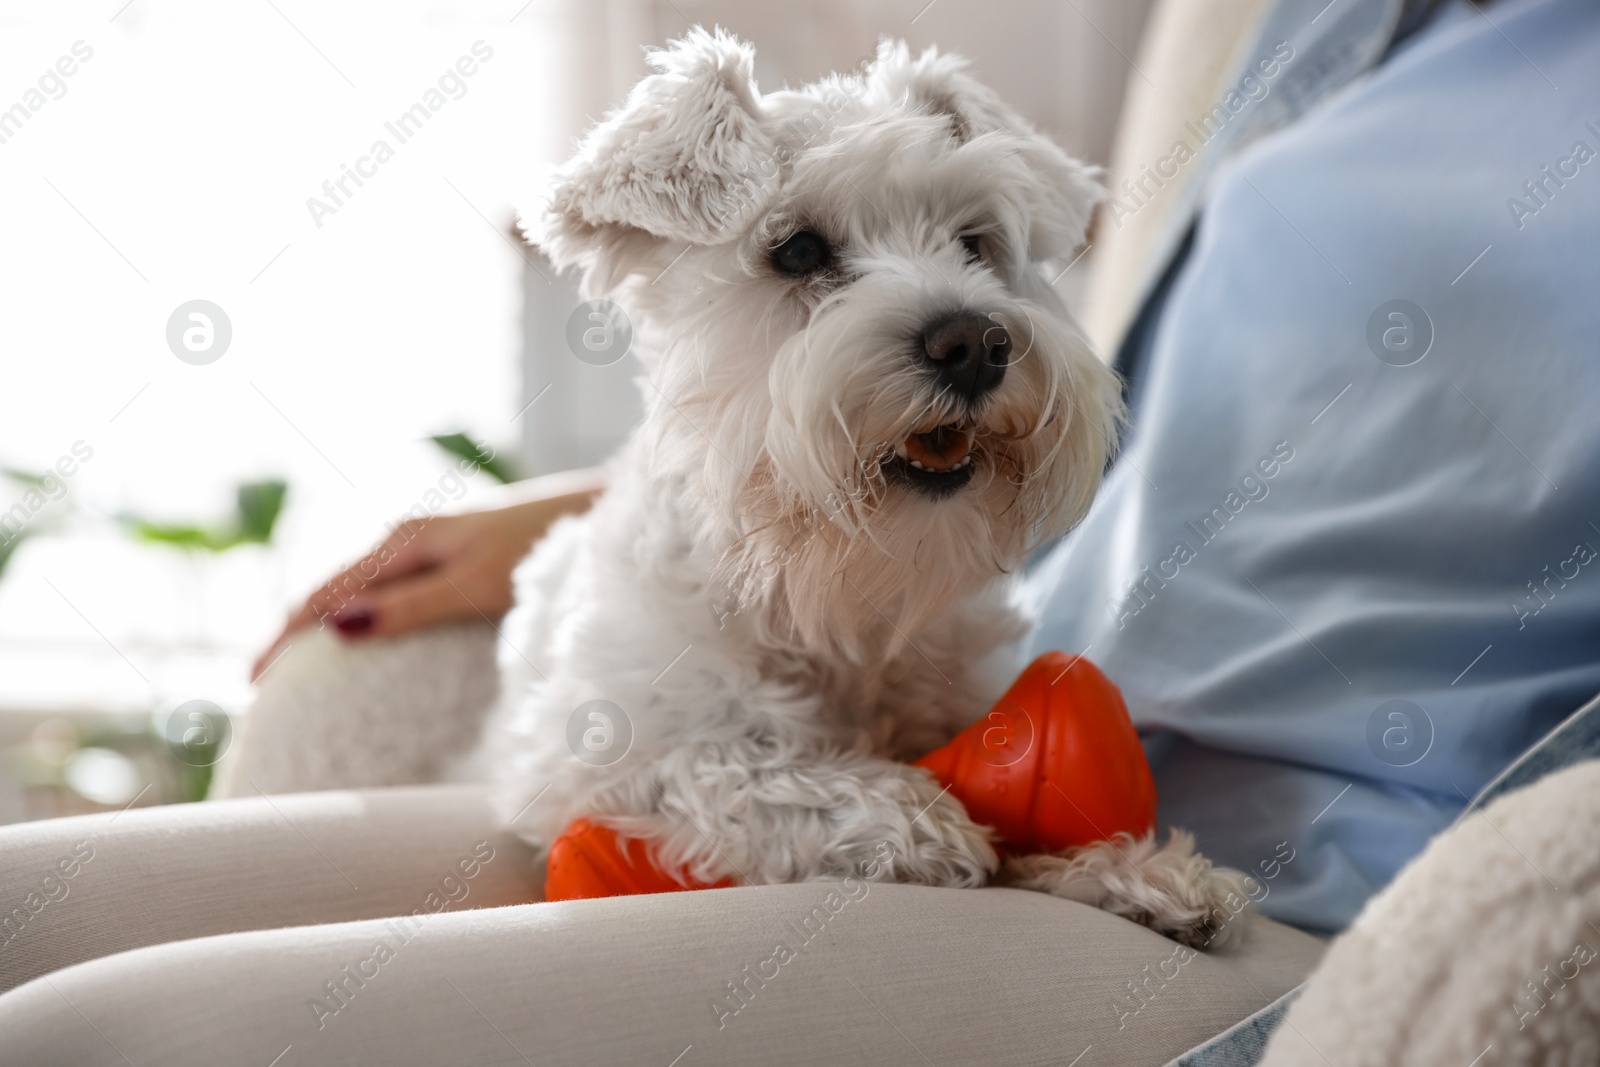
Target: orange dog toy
[(590, 860), (1055, 763)]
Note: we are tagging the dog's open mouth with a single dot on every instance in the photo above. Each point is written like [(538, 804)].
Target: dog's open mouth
[(938, 460)]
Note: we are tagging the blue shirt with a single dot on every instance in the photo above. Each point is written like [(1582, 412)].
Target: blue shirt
[(1346, 569)]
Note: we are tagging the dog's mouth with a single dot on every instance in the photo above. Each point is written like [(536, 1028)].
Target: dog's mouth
[(938, 460)]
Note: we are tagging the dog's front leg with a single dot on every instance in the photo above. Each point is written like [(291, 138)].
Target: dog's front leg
[(778, 816)]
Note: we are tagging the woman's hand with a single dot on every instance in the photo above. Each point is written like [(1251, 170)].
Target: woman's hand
[(439, 569)]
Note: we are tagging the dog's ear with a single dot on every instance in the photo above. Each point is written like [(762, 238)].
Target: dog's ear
[(686, 158), (939, 84), (1068, 193)]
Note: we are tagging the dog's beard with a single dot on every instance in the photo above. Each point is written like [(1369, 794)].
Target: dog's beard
[(825, 546)]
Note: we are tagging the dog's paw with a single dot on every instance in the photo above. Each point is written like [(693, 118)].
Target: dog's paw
[(1170, 888)]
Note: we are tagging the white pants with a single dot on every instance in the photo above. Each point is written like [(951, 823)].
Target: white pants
[(260, 931)]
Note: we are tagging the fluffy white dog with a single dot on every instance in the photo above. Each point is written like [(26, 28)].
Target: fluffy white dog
[(864, 406)]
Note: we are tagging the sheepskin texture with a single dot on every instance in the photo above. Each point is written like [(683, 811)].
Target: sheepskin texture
[(334, 714), (1485, 950), (774, 622)]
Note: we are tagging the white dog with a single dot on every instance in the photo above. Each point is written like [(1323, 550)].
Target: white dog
[(864, 406)]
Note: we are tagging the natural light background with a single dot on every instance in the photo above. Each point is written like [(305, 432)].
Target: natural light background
[(175, 164)]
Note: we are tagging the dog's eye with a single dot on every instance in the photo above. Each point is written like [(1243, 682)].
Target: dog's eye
[(970, 242), (804, 253)]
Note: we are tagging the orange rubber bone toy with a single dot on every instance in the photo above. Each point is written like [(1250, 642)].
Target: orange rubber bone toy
[(1055, 763)]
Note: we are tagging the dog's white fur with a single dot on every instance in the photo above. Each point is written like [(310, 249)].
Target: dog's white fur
[(784, 626)]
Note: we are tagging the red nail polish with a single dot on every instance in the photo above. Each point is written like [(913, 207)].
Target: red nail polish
[(351, 623)]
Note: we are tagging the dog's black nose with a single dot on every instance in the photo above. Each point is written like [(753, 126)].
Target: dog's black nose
[(970, 353)]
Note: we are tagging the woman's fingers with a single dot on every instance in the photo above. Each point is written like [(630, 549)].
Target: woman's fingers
[(437, 569), (404, 552), (412, 603), (407, 550), (397, 606)]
